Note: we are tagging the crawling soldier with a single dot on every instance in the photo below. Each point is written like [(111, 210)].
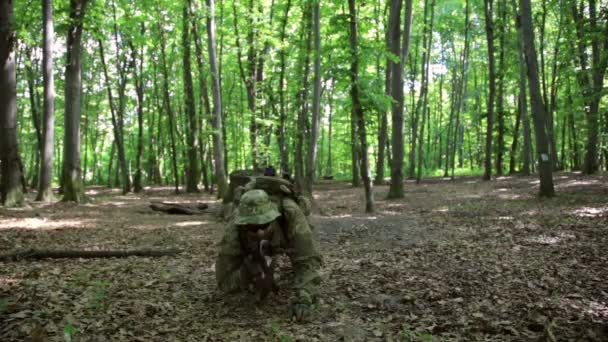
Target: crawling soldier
[(260, 228)]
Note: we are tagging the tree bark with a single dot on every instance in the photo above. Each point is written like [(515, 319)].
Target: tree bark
[(282, 107), (396, 185), (192, 174), (538, 110), (73, 188), (492, 84), (11, 192), (302, 100), (522, 98), (168, 109), (311, 159), (500, 110), (122, 102), (218, 148), (358, 109), (139, 89)]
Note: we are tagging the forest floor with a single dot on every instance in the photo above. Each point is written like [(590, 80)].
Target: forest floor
[(461, 260)]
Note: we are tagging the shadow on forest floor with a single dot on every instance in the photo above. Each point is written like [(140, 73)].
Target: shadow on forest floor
[(461, 260)]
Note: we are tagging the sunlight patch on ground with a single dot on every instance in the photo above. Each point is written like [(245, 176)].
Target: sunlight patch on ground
[(574, 183), (509, 196), (504, 178), (551, 240), (341, 216), (190, 223), (41, 224), (590, 212), (471, 182), (587, 307), (6, 282), (441, 210), (508, 218)]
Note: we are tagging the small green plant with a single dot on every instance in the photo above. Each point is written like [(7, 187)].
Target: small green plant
[(3, 304), (68, 332), (100, 291), (410, 334), (276, 329)]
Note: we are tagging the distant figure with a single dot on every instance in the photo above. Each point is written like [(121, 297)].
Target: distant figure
[(270, 171), (286, 174)]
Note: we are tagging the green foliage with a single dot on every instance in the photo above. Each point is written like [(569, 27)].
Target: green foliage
[(69, 331), (276, 330), (263, 22), (98, 294)]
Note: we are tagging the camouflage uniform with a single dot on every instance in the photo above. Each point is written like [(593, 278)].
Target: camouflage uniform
[(296, 236)]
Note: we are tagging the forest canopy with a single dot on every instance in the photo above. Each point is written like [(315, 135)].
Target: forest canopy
[(136, 93)]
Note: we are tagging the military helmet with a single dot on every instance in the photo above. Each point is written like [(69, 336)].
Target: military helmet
[(255, 207)]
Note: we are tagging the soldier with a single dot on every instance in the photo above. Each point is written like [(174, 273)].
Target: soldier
[(284, 227)]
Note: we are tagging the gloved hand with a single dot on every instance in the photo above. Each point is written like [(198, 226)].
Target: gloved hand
[(299, 311)]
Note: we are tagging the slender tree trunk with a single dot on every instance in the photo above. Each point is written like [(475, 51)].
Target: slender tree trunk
[(425, 93), (492, 80), (396, 68), (523, 98), (34, 106), (193, 169), (538, 111), (500, 111), (218, 148), (284, 155), (122, 101), (11, 192), (513, 153), (168, 109), (426, 35), (73, 188), (330, 103), (358, 109), (311, 159), (303, 101), (139, 89)]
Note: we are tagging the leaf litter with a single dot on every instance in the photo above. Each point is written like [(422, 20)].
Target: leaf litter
[(460, 260)]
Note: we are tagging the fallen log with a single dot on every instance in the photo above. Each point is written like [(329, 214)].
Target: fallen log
[(179, 209), (36, 254)]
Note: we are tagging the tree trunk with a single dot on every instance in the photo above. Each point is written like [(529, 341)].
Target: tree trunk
[(34, 106), (11, 192), (218, 148), (523, 98), (139, 89), (513, 153), (313, 135), (492, 80), (426, 35), (192, 174), (500, 111), (591, 84), (73, 188), (303, 101), (168, 109), (115, 125), (425, 93), (396, 69), (538, 110), (284, 155), (122, 101), (358, 109)]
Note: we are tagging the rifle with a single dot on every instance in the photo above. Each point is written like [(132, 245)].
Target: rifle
[(261, 266)]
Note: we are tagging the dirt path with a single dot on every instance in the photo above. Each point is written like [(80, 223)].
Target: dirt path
[(456, 260)]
